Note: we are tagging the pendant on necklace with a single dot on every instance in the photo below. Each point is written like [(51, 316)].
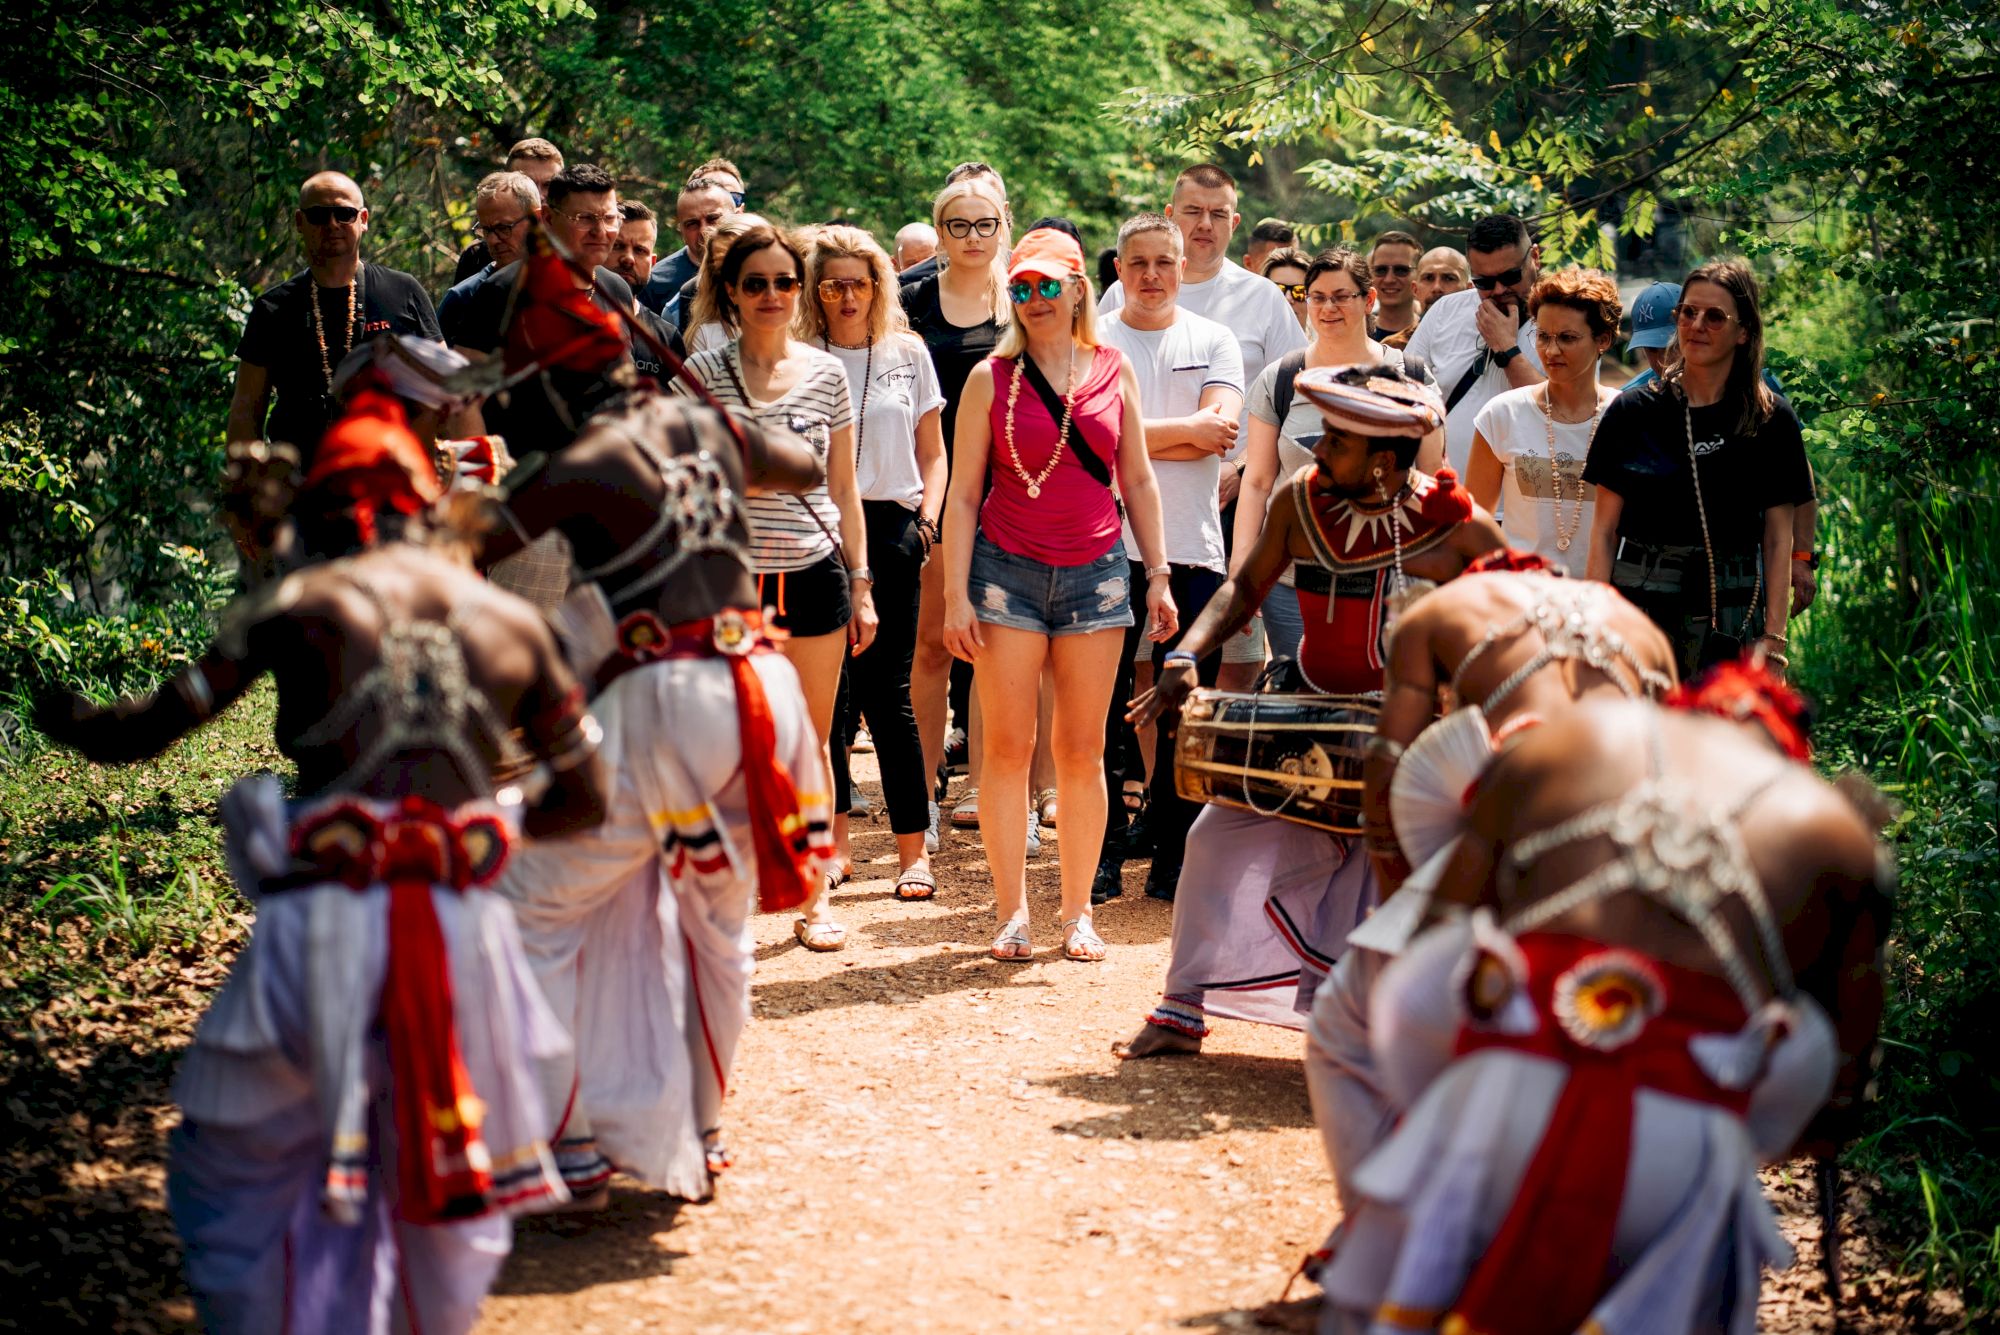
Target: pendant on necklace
[(1034, 491), (1562, 544)]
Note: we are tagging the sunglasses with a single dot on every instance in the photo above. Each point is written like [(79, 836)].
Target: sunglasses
[(1704, 317), (757, 284), (1384, 270), (1023, 291), (1487, 282), (735, 197), (964, 227), (1294, 292), (319, 215), (835, 289)]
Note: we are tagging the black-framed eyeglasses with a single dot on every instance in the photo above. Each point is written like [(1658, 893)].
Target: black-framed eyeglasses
[(1021, 291), (1384, 270), (494, 231), (756, 284), (961, 228), (1486, 282), (319, 215), (1705, 317), (836, 289)]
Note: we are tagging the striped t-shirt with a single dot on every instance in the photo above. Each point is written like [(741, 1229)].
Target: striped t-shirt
[(783, 536)]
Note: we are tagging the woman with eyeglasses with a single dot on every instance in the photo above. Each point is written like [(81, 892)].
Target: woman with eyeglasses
[(1287, 268), (960, 313), (810, 551), (1530, 445), (1698, 475), (1338, 294), (852, 313), (1049, 438)]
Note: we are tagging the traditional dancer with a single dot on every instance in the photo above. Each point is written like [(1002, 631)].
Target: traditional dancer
[(360, 1109), (639, 929), (1513, 644), (1264, 906), (1656, 991)]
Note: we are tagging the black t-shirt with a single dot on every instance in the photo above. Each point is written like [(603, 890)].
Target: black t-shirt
[(1641, 453), (280, 338), (527, 419), (644, 357), (955, 349)]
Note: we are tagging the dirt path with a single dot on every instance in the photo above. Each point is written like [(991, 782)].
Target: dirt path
[(929, 1140)]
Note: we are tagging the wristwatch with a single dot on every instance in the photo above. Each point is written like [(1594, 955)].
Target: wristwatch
[(1154, 572), (862, 573), (1502, 358)]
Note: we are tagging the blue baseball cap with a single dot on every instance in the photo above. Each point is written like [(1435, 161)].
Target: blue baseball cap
[(1653, 316)]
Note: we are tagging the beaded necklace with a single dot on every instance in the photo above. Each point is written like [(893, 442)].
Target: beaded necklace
[(1565, 537), (867, 379), (1062, 432), (326, 362)]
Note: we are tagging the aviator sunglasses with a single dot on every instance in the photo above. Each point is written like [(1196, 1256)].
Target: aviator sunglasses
[(1702, 317), (836, 289), (757, 284), (321, 214), (1022, 291)]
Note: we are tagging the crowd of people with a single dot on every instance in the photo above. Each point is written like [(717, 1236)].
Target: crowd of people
[(579, 586)]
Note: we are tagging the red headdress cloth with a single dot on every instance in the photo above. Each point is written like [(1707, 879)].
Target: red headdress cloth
[(555, 322), (1746, 690), (370, 461)]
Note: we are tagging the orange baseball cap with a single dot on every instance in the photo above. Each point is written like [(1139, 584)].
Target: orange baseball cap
[(1048, 252)]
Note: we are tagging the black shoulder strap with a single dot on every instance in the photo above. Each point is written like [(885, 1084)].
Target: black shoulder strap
[(1086, 450), (1289, 367), (1466, 381)]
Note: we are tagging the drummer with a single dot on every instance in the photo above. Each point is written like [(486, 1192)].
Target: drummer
[(1264, 905)]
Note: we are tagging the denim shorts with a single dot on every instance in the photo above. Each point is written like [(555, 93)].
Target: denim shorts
[(1025, 594)]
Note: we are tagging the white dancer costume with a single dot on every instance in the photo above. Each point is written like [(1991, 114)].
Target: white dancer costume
[(639, 928), (1434, 784), (377, 966), (1588, 1150)]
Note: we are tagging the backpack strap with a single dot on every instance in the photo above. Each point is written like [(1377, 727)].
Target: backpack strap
[(1289, 367)]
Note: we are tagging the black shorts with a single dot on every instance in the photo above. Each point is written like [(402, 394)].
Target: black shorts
[(806, 602)]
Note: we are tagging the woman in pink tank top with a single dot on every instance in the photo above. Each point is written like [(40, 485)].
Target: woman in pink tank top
[(1035, 573)]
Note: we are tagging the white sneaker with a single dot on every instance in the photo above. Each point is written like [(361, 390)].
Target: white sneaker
[(931, 834), (1034, 836)]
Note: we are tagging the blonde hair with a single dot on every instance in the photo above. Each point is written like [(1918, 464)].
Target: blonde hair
[(1082, 328), (711, 303), (838, 242), (986, 187)]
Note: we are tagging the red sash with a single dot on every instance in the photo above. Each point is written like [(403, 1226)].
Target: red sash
[(1620, 1022), (443, 1169)]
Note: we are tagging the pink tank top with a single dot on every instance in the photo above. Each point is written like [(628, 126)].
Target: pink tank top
[(1074, 520)]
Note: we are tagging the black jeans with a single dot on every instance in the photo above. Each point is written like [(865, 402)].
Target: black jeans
[(1670, 585), (875, 687), (1170, 814)]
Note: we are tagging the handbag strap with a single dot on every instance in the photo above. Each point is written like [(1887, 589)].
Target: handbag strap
[(743, 396), (1086, 453)]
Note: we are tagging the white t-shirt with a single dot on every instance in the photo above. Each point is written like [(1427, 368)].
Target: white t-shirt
[(784, 536), (1448, 339), (904, 387), (1298, 433), (1173, 366), (1515, 426), (1248, 305)]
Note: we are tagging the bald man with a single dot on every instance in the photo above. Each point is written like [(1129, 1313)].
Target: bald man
[(299, 330), (915, 243), (1441, 272)]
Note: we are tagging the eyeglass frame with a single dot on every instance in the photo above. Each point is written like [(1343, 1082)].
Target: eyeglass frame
[(1334, 298), (840, 286), (1400, 270), (1020, 291), (985, 227), (614, 220), (488, 231), (1486, 282), (1698, 316), (781, 283)]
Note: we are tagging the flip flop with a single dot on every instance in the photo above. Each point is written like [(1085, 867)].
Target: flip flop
[(821, 936), (924, 885)]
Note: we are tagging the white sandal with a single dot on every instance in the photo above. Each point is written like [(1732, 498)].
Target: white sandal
[(1012, 946), (1081, 941)]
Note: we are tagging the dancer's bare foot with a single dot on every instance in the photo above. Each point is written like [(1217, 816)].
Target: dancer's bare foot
[(588, 1203), (1156, 1040)]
